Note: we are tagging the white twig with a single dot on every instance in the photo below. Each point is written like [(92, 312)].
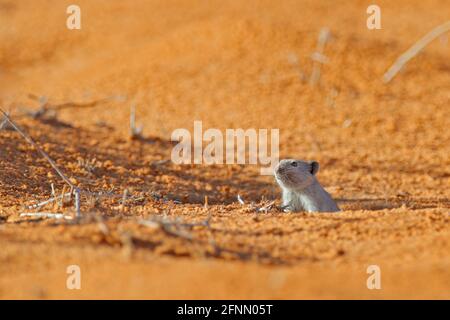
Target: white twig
[(53, 199), (4, 121), (176, 223), (125, 196), (177, 227), (45, 107), (169, 227), (318, 57), (77, 202), (34, 144), (46, 215), (240, 199), (414, 50), (49, 160), (53, 190), (135, 132), (267, 207)]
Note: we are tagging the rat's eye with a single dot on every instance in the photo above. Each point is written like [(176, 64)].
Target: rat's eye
[(293, 163)]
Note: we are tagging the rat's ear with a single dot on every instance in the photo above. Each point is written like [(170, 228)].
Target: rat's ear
[(314, 167)]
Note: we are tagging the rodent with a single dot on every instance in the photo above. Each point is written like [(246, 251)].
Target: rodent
[(301, 189)]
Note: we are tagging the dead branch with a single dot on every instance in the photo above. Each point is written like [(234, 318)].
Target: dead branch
[(175, 223), (318, 57), (4, 124), (43, 154), (77, 202), (172, 228), (414, 50), (4, 121), (239, 199), (45, 107), (266, 207), (53, 199), (49, 160), (135, 132), (46, 215)]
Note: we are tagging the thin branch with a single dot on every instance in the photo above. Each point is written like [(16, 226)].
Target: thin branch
[(46, 215), (77, 202), (267, 207), (318, 57), (414, 50), (175, 223), (172, 228), (4, 124), (46, 107), (4, 121), (135, 132), (34, 144), (53, 199), (49, 160)]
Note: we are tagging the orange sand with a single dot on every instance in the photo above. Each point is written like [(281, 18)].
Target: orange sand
[(384, 149)]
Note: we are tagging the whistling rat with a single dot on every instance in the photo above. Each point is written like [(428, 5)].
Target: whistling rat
[(301, 190)]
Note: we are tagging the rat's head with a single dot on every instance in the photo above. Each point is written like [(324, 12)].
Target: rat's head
[(296, 174)]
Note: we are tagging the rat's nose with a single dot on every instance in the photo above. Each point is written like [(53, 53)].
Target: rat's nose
[(279, 170)]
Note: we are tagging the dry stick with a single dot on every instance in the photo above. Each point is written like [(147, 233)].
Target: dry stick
[(240, 199), (53, 199), (46, 215), (77, 202), (264, 208), (3, 123), (53, 190), (267, 207), (318, 56), (61, 203), (135, 132), (169, 228), (125, 196), (46, 106), (414, 50), (176, 223), (172, 228), (49, 160)]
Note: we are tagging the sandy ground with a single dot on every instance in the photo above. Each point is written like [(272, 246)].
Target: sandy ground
[(384, 149)]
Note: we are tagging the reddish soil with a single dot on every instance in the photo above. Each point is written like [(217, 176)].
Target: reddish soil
[(384, 149)]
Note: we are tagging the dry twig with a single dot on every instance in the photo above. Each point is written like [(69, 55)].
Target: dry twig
[(49, 160), (135, 132), (53, 199), (46, 108), (414, 50), (50, 215), (318, 57), (240, 199)]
